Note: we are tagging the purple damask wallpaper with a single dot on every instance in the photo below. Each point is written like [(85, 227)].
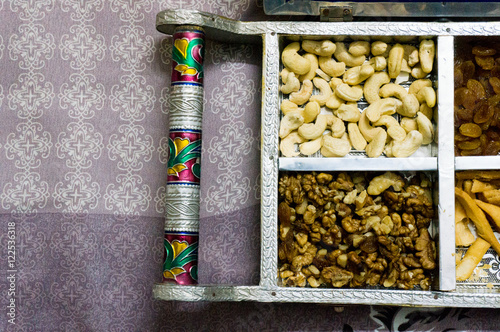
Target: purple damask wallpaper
[(84, 89)]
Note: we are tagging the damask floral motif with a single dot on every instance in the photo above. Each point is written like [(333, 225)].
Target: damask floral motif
[(236, 92), (72, 295), (229, 148), (27, 194), (77, 194), (165, 100), (131, 11), (230, 8), (231, 192), (78, 144), (126, 247), (74, 242), (133, 48), (2, 46), (29, 145), (83, 46), (129, 197), (31, 96), (83, 10), (32, 46), (161, 199), (31, 244), (493, 260), (231, 57), (82, 96), (131, 147), (166, 50), (124, 293), (163, 150), (132, 98), (31, 9)]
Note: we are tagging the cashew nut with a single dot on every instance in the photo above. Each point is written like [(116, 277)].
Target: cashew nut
[(395, 60), (427, 111), (409, 124), (323, 75), (358, 48), (313, 59), (391, 89), (410, 106), (335, 147), (404, 67), (366, 128), (356, 75), (337, 127), (386, 106), (349, 93), (345, 137), (425, 128), (284, 74), (426, 53), (341, 54), (311, 147), (411, 55), (419, 84), (294, 61), (428, 95), (287, 144), (408, 146), (417, 72), (289, 123), (388, 150), (375, 148), (378, 48), (334, 102), (292, 84), (330, 66), (325, 91), (348, 112), (313, 130), (378, 63), (287, 106), (373, 84), (321, 48), (335, 82), (357, 139), (394, 130), (311, 111), (302, 96)]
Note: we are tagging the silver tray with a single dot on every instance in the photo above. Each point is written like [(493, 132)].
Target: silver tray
[(442, 163)]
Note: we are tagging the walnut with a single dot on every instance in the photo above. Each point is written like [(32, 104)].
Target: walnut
[(425, 250), (329, 218), (368, 210), (336, 276), (419, 201), (394, 201), (411, 261), (298, 279), (382, 182), (343, 182), (350, 197), (324, 178), (343, 210), (361, 200), (309, 251), (289, 188), (351, 225), (310, 214)]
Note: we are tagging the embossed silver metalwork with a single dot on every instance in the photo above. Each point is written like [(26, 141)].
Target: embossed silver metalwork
[(182, 208), (186, 107), (270, 33)]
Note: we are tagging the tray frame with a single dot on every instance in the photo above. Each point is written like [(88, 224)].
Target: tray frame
[(219, 28)]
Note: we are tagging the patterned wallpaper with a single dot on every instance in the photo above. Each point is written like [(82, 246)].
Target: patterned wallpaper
[(84, 90)]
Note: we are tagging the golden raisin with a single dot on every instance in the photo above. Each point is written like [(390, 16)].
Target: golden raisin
[(459, 78), (469, 145), (465, 114), (476, 88), (471, 130), (483, 51), (468, 70), (492, 148), (475, 152), (462, 138), (483, 113), (485, 62), (495, 84)]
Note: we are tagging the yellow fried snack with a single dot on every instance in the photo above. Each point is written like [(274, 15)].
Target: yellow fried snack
[(492, 196), (492, 210), (478, 175), (479, 186), (463, 235), (472, 257), (478, 218)]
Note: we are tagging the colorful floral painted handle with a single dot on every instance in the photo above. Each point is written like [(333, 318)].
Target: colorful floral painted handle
[(184, 143)]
